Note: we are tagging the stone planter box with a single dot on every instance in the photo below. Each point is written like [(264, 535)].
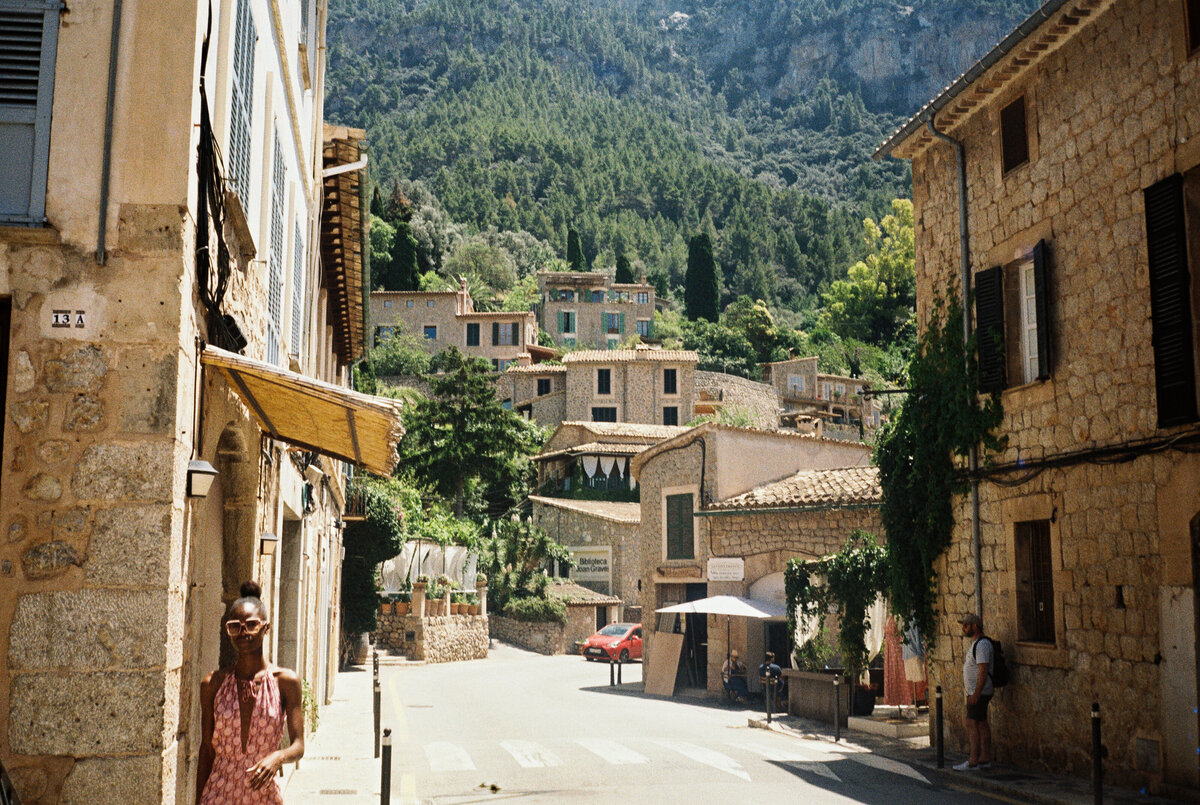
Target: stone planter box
[(810, 695)]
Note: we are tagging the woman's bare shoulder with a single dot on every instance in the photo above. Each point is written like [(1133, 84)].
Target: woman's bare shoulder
[(286, 675), (214, 679)]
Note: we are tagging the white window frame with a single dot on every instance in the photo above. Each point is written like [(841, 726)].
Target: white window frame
[(1028, 327)]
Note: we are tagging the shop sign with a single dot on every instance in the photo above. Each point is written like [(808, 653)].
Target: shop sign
[(726, 569)]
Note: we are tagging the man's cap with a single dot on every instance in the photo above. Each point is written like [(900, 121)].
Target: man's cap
[(972, 618), (733, 653)]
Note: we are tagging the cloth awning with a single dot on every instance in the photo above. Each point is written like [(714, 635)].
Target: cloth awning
[(731, 605), (310, 413)]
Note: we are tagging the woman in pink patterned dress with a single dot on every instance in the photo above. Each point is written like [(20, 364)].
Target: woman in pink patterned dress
[(242, 715)]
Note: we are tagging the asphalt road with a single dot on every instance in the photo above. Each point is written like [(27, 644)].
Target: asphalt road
[(520, 727)]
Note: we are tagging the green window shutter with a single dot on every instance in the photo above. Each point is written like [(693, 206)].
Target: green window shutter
[(1170, 302), (495, 333), (680, 540), (517, 333), (560, 322), (621, 323), (650, 329), (989, 320)]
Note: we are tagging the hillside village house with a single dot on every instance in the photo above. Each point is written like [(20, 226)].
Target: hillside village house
[(1080, 138), (535, 391), (650, 386), (590, 310), (838, 401), (442, 319), (156, 316), (693, 512)]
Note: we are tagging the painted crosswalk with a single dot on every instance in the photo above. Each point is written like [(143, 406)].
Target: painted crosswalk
[(730, 757)]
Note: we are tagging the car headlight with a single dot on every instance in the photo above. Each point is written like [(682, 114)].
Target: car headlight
[(614, 644)]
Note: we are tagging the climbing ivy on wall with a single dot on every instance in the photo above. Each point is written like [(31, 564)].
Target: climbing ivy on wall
[(919, 454)]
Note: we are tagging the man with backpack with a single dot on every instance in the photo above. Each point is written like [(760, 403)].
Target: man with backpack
[(977, 684)]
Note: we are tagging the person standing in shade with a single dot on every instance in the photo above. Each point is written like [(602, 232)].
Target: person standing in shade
[(977, 684), (242, 715), (770, 674)]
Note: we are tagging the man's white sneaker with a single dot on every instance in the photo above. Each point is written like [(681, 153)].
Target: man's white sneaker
[(965, 766)]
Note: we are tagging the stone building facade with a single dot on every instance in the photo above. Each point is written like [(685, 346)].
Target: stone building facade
[(717, 391), (1081, 136), (683, 482), (442, 319), (804, 389), (589, 310), (113, 578), (601, 536), (643, 385)]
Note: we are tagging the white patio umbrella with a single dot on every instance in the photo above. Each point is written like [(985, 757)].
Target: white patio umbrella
[(729, 606)]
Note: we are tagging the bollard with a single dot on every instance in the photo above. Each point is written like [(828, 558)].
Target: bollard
[(837, 707), (385, 769), (938, 727), (1097, 756), (377, 703), (619, 666), (767, 697), (375, 662), (611, 674)]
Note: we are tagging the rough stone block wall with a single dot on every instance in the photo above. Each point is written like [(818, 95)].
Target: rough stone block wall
[(573, 528), (441, 638), (808, 534), (544, 638), (759, 400), (1114, 110)]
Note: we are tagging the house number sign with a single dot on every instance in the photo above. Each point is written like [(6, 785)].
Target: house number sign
[(68, 318)]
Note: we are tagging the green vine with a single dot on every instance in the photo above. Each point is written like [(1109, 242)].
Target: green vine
[(368, 542), (936, 425), (312, 711), (853, 578)]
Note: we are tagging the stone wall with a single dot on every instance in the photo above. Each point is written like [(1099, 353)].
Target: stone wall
[(1113, 110), (445, 310), (574, 528), (637, 390), (759, 400), (544, 638), (440, 638)]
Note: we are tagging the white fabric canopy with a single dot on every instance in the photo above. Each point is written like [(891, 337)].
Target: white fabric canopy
[(731, 605), (589, 465), (606, 465)]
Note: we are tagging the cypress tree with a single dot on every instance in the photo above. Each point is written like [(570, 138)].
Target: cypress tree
[(404, 270), (702, 292), (574, 252), (624, 271)]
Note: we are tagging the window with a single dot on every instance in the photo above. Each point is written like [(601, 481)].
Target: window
[(643, 297), (680, 542), (429, 303), (1035, 581), (242, 102), (597, 296), (795, 383), (409, 303), (1192, 12), (275, 258), (297, 290), (569, 343), (670, 384), (566, 321), (500, 364), (604, 381), (670, 415), (506, 334), (613, 323), (1013, 318), (473, 334), (387, 303), (607, 414), (543, 386), (841, 389), (27, 55), (1172, 214), (644, 329), (383, 334), (430, 332), (1014, 135)]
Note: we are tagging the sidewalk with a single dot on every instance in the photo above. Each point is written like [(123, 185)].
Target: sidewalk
[(1005, 781), (339, 759)]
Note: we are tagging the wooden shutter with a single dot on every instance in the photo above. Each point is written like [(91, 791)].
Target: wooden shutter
[(28, 48), (242, 101), (679, 527), (495, 333), (1042, 310), (1170, 302), (297, 290), (621, 323), (650, 329), (275, 258), (989, 323), (561, 323)]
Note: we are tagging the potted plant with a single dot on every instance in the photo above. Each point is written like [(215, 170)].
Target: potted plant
[(472, 603), (385, 604), (402, 600)]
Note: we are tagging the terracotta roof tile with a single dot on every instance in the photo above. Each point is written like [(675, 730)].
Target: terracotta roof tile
[(537, 368), (620, 355), (596, 449), (573, 594), (604, 509), (846, 486), (631, 429)]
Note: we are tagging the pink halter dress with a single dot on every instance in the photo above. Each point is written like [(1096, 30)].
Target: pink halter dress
[(228, 784)]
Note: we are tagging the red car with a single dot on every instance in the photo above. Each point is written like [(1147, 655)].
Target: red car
[(617, 641)]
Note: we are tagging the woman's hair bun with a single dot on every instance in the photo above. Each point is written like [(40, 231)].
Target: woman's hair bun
[(250, 589)]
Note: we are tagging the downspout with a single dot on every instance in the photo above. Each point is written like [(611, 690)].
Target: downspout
[(101, 255), (965, 283)]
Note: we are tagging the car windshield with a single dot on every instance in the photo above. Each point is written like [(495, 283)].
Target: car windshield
[(615, 630)]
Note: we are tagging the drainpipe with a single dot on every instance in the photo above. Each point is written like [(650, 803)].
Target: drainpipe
[(965, 283), (101, 256)]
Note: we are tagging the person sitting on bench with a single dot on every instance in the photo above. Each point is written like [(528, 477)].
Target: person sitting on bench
[(733, 674)]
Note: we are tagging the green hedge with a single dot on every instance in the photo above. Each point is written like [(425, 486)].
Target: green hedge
[(536, 610)]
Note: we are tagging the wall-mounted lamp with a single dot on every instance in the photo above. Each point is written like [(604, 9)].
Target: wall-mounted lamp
[(314, 474), (267, 543), (200, 477)]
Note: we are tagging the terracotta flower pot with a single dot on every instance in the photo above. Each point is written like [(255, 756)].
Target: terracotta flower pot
[(402, 607), (433, 606), (473, 609), (386, 608)]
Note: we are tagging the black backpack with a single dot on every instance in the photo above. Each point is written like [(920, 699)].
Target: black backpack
[(998, 670)]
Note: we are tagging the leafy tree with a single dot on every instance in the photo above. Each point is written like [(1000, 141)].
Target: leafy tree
[(515, 559), (575, 258), (753, 319), (404, 265), (702, 292), (368, 542), (624, 271), (382, 241), (721, 349), (878, 295), (402, 353), (488, 264), (462, 434)]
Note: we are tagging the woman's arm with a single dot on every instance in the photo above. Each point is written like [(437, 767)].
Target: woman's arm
[(293, 708), (208, 695)]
